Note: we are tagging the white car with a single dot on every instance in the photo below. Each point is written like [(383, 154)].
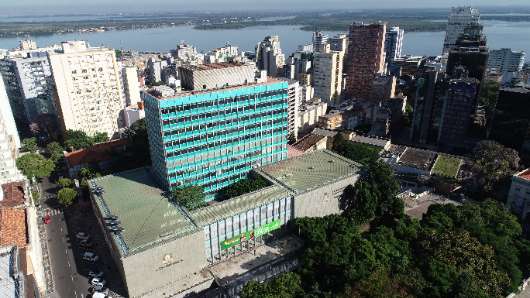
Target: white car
[(90, 256), (98, 282), (82, 236)]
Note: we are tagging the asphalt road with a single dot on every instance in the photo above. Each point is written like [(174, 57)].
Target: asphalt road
[(69, 271)]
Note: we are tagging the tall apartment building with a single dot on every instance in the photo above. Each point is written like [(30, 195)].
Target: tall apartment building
[(269, 55), (460, 102), (131, 85), (89, 94), (469, 52), (222, 54), (298, 67), (511, 120), (320, 40), (327, 75), (339, 43), (393, 43), (506, 60), (213, 138), (365, 58), (459, 19), (28, 79), (9, 141), (294, 92), (210, 76), (426, 108)]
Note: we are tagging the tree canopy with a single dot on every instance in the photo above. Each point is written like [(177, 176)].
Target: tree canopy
[(29, 145), (361, 153), (493, 166), (77, 139), (66, 196), (252, 183), (472, 250), (190, 197), (138, 141), (35, 165), (55, 151)]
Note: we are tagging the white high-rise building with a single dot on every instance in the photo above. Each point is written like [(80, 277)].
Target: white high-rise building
[(506, 60), (89, 93), (9, 141), (393, 43), (131, 85), (269, 55), (459, 19), (327, 75)]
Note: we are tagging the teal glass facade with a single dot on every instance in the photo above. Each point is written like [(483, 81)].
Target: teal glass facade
[(214, 138)]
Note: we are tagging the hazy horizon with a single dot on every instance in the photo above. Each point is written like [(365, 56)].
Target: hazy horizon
[(35, 7)]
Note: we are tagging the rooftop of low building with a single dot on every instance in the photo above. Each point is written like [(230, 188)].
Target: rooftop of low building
[(525, 175), (211, 66), (309, 171), (146, 215), (308, 141), (417, 158)]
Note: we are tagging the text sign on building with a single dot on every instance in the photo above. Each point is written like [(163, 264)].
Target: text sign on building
[(260, 231)]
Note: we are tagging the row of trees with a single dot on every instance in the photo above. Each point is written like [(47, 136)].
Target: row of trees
[(474, 250)]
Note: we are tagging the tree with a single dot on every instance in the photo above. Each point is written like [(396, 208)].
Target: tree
[(190, 197), (361, 153), (252, 183), (493, 166), (100, 137), (29, 145), (286, 285), (55, 151), (66, 196), (35, 165), (76, 139), (64, 182), (138, 141)]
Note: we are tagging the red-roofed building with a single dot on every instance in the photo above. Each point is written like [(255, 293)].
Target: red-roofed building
[(519, 195), (99, 155), (13, 230)]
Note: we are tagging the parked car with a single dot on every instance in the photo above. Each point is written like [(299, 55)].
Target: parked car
[(46, 219), (82, 236), (110, 217), (93, 274), (98, 281), (115, 229), (90, 256), (85, 244), (112, 222)]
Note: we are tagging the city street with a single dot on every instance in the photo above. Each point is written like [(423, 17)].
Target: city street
[(69, 271)]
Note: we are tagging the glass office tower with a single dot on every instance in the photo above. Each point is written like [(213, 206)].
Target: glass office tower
[(213, 138)]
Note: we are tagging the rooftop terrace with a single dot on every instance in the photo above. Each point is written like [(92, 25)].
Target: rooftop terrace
[(146, 215), (306, 172)]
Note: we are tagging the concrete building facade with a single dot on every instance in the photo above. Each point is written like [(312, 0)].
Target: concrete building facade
[(269, 56), (519, 195), (88, 88), (393, 43), (365, 58), (459, 19), (327, 75), (9, 141), (131, 85), (211, 76), (506, 60)]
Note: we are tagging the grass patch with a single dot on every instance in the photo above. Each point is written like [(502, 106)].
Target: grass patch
[(446, 166)]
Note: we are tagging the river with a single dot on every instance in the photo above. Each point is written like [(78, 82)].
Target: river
[(515, 35)]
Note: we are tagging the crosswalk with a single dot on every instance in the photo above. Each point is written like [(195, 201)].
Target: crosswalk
[(51, 212)]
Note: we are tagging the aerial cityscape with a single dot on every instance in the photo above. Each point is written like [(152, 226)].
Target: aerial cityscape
[(231, 149)]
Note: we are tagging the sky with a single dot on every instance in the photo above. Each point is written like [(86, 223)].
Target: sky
[(33, 7)]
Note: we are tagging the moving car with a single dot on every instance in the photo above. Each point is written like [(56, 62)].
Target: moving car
[(95, 274), (85, 244)]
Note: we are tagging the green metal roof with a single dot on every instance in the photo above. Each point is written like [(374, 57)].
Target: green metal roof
[(306, 172), (146, 215), (239, 204)]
